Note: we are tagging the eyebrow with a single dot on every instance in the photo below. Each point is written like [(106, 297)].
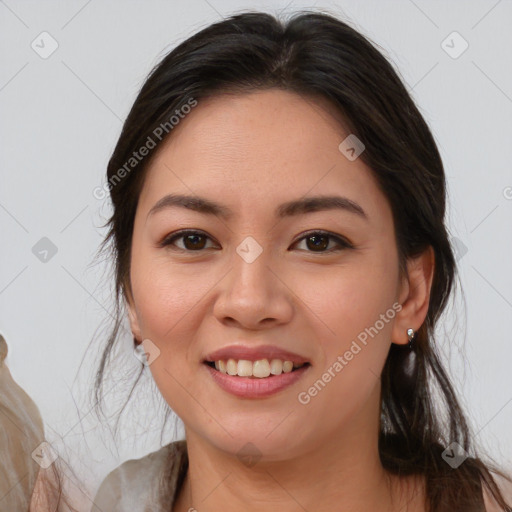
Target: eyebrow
[(288, 209)]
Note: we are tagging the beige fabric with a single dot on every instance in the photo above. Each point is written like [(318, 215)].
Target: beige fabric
[(21, 432), (134, 485)]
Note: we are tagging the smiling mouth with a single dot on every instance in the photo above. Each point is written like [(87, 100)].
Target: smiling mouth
[(260, 369)]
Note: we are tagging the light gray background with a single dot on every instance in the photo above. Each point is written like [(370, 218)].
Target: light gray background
[(60, 119)]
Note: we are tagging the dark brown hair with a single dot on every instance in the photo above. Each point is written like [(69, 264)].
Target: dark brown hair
[(316, 55)]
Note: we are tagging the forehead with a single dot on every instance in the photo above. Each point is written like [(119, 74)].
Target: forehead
[(257, 149)]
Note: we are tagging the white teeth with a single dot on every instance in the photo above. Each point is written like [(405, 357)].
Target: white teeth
[(287, 366), (244, 368), (260, 368), (231, 367), (276, 367)]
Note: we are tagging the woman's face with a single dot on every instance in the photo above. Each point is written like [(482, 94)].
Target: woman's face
[(254, 278)]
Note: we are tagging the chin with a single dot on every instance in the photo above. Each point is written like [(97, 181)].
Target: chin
[(247, 441)]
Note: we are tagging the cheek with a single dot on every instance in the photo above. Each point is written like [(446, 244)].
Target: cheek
[(169, 307), (165, 295), (355, 313), (168, 304), (353, 306)]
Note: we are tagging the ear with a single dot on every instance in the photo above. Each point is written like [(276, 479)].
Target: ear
[(414, 296), (132, 314)]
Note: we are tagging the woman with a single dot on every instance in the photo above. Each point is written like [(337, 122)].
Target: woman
[(279, 241)]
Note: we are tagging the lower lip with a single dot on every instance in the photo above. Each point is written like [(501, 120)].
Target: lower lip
[(246, 387)]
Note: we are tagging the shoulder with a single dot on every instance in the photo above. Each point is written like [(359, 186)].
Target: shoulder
[(135, 483), (505, 487)]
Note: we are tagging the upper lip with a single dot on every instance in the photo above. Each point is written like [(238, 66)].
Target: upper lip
[(254, 354)]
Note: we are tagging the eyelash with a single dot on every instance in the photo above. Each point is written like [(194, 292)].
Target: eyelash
[(342, 243)]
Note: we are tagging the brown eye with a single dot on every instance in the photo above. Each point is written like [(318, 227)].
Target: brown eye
[(192, 240), (318, 241)]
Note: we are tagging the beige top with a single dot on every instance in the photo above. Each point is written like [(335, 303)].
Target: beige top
[(134, 486), (21, 432)]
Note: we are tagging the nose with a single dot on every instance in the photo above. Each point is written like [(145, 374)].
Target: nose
[(254, 295)]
